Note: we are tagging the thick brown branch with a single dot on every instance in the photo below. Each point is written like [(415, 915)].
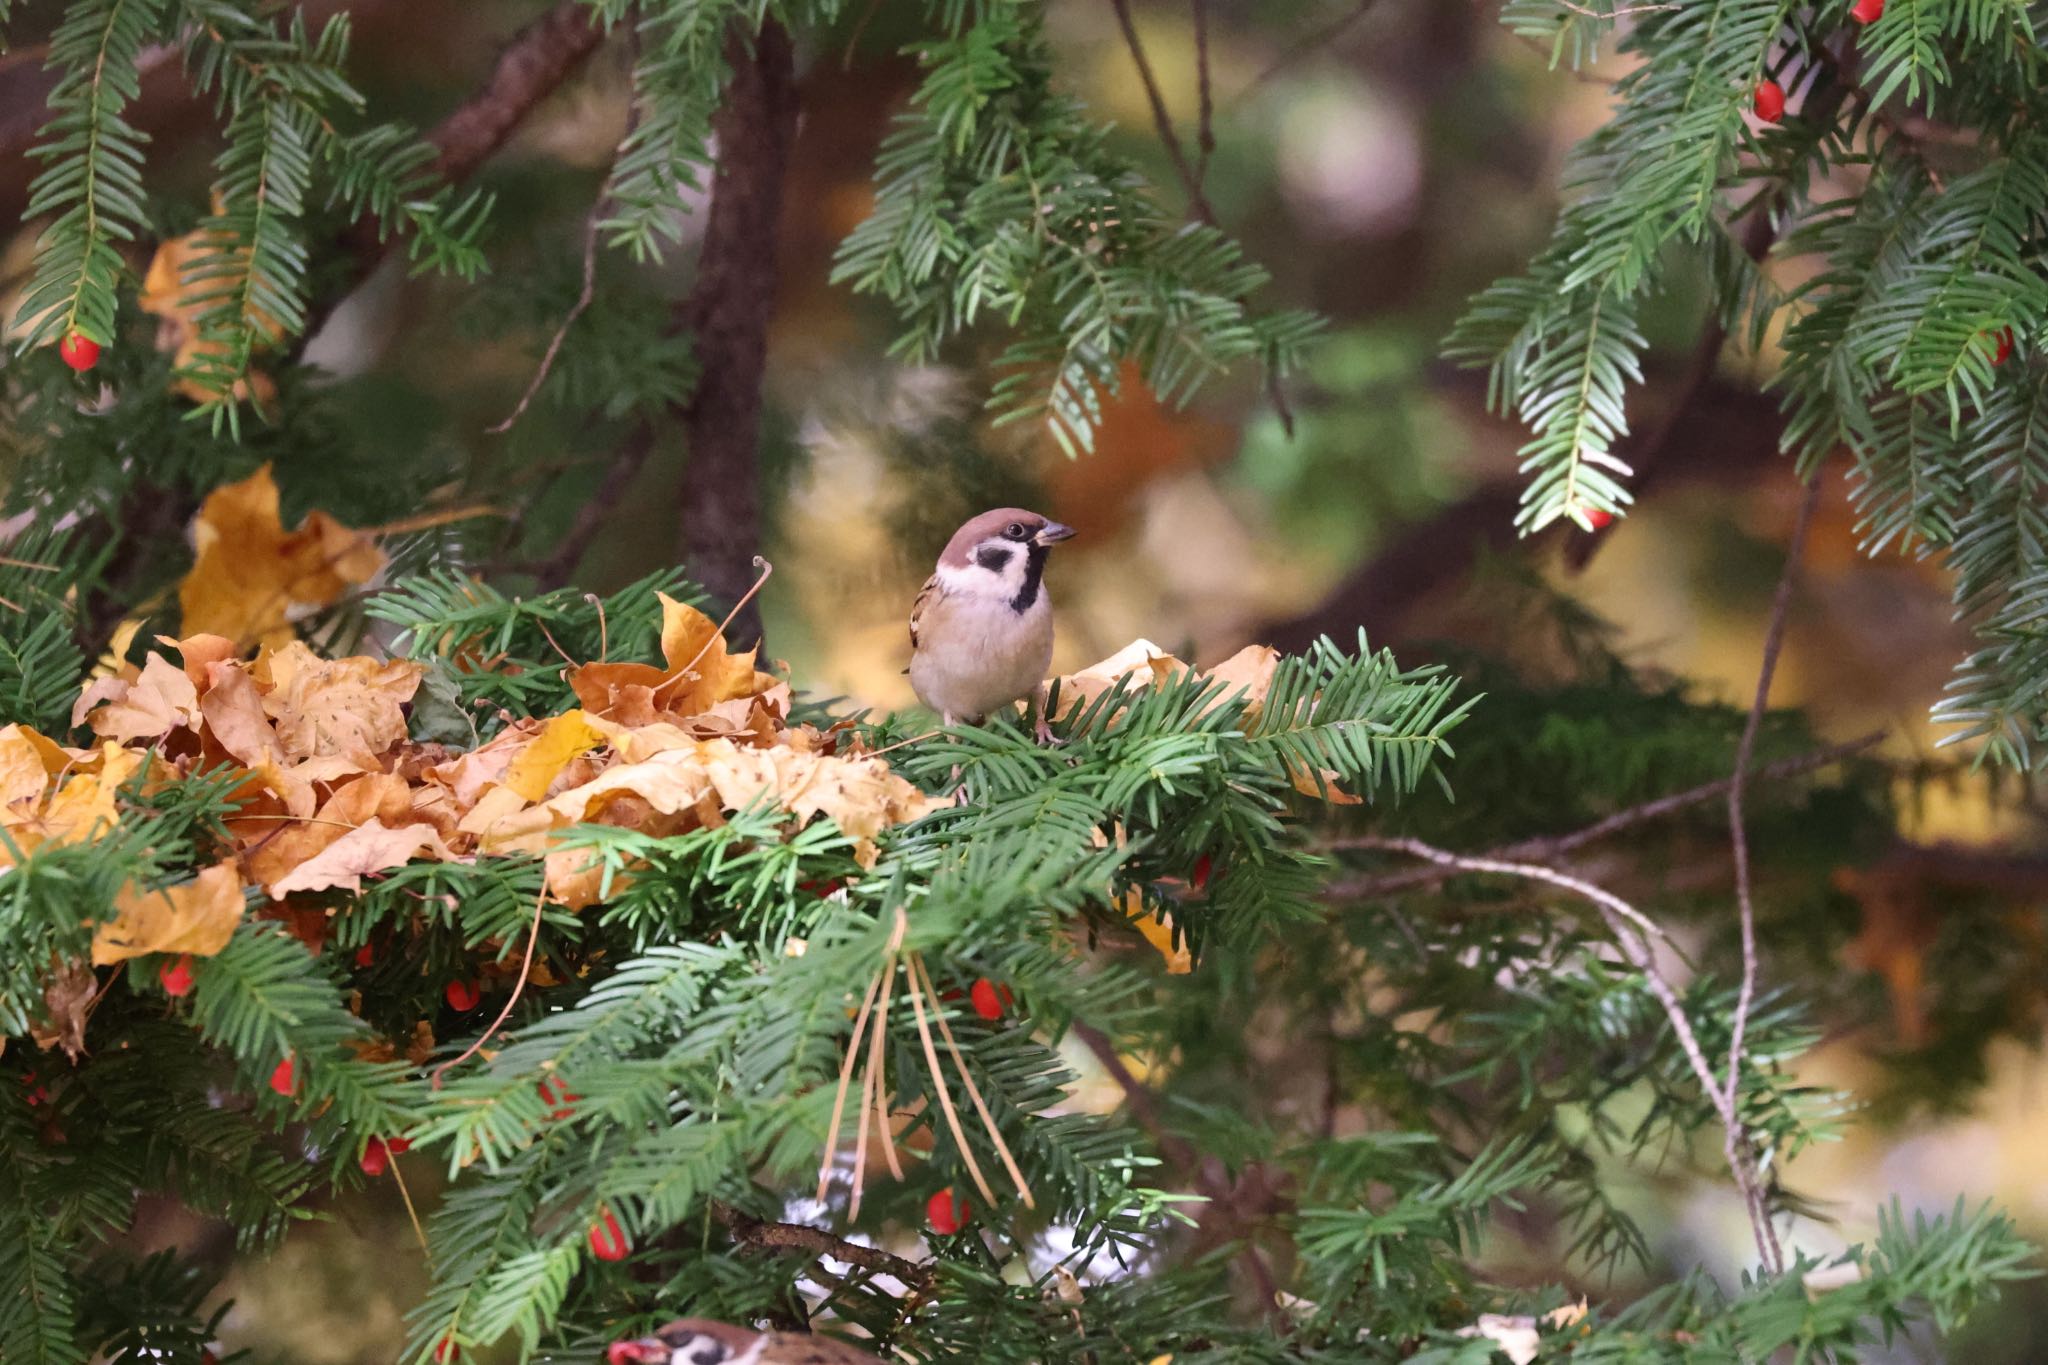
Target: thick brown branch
[(533, 66), (727, 315), (759, 1232)]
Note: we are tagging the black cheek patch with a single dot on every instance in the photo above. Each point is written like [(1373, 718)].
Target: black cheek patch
[(992, 557)]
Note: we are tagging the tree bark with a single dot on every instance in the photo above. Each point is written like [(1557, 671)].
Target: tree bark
[(727, 314)]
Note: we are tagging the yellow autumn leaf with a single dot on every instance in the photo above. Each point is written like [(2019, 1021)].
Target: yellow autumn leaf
[(160, 699), (863, 796), (1158, 931), (370, 847), (699, 673), (178, 302), (350, 708), (251, 577), (541, 761), (85, 805), (197, 917)]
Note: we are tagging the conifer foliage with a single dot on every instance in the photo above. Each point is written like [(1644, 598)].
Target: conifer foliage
[(324, 857)]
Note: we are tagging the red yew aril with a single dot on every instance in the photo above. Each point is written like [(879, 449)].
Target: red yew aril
[(176, 975), (366, 955), (1200, 878), (376, 1158), (988, 998), (946, 1212), (561, 1101), (283, 1080), (607, 1239), (1867, 11), (1770, 101), (462, 996), (79, 351), (2004, 347), (1599, 520)]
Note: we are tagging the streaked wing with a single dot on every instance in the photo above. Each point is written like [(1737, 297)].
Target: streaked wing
[(797, 1348), (928, 597)]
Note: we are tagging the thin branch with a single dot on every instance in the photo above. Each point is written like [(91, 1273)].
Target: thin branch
[(598, 209), (576, 310), (1617, 13), (1310, 44), (1607, 901), (760, 1232), (1550, 847), (1623, 921), (556, 569), (1774, 641), (1205, 126), (1198, 203)]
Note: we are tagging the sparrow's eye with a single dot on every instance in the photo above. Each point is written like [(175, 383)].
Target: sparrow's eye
[(1015, 530)]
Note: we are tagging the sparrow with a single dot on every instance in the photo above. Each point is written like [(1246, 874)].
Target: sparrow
[(981, 628), (700, 1341)]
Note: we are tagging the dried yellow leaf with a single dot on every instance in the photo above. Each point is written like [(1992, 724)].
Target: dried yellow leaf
[(251, 577), (540, 762), (197, 917)]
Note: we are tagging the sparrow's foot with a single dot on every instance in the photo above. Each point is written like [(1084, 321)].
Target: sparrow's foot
[(961, 796), (1041, 723)]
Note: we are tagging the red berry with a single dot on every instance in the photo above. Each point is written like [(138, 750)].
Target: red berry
[(988, 998), (1598, 519), (176, 975), (366, 955), (282, 1079), (462, 996), (946, 1213), (79, 351), (822, 889), (445, 1350), (36, 1095), (1867, 11), (607, 1240), (376, 1157), (1200, 878), (560, 1100), (2004, 347), (397, 1145), (1770, 101)]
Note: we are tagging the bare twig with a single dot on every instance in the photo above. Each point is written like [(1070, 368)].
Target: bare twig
[(1555, 846), (1617, 13), (519, 986), (1625, 922), (1774, 641), (1310, 44), (591, 221), (760, 1232), (1607, 901), (1205, 125), (556, 569), (576, 310), (1198, 203)]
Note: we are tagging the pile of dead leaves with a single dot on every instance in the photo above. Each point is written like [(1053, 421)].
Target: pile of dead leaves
[(329, 788)]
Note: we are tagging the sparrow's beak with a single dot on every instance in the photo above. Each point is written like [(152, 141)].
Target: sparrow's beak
[(645, 1351), (1052, 533)]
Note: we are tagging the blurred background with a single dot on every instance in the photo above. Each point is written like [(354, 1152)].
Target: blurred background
[(1384, 160)]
